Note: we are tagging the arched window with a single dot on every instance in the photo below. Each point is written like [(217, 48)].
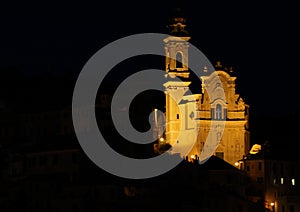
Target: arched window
[(179, 60), (218, 112)]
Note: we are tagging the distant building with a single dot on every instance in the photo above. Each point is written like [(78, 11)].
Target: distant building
[(274, 182), (65, 180), (225, 106)]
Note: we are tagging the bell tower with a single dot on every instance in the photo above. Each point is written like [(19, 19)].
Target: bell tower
[(177, 74), (176, 47)]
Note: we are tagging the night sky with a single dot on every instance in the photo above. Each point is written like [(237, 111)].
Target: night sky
[(259, 40)]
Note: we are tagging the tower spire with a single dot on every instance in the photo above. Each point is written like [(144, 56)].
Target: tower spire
[(177, 21), (176, 45)]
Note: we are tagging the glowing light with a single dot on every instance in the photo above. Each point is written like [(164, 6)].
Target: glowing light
[(281, 180), (272, 204), (236, 163), (161, 139), (193, 156), (293, 182), (255, 149), (155, 117)]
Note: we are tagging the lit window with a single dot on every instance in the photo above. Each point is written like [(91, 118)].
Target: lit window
[(281, 180), (293, 182), (218, 112)]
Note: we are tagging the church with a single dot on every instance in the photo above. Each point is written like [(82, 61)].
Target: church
[(215, 120)]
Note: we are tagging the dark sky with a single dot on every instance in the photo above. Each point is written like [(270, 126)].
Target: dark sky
[(259, 40)]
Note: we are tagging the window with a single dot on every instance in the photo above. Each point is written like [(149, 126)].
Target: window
[(179, 60), (225, 113), (177, 116), (218, 112), (212, 113), (281, 180), (259, 166), (293, 182)]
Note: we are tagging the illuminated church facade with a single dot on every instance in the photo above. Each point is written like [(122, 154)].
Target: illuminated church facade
[(204, 113)]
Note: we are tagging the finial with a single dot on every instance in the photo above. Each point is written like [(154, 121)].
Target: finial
[(219, 65), (177, 23)]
